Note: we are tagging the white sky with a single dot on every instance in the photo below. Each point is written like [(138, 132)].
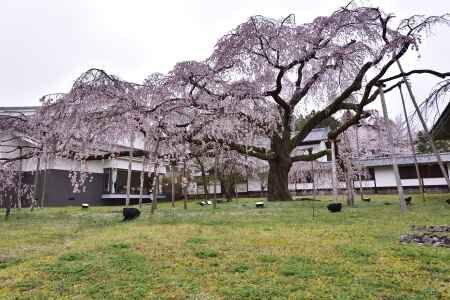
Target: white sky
[(46, 44)]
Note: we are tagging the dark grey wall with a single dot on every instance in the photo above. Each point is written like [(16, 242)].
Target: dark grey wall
[(59, 191)]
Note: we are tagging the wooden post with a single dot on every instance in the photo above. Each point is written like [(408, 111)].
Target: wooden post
[(411, 143), (393, 152), (359, 165), (19, 184), (141, 183), (425, 127), (172, 165), (334, 180)]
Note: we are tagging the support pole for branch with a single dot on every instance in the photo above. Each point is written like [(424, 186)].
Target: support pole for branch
[(155, 177), (130, 163), (361, 192), (411, 143), (425, 127), (185, 182), (34, 201), (313, 179), (334, 180), (216, 165), (141, 181), (44, 184), (393, 152), (155, 189), (172, 166), (19, 184), (246, 169), (113, 180)]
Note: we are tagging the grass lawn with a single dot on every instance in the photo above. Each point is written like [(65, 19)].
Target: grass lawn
[(235, 252)]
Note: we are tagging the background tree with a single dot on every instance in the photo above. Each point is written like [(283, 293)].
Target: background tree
[(423, 146)]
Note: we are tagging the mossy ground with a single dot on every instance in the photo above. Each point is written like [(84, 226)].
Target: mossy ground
[(235, 252)]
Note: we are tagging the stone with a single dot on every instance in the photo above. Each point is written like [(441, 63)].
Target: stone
[(408, 200), (130, 213)]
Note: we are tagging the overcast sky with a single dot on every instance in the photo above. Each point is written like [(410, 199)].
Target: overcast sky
[(46, 44)]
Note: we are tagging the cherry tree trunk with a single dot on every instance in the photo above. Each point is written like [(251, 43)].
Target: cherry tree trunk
[(228, 187), (278, 181), (279, 167)]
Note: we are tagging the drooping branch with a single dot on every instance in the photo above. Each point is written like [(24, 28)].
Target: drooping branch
[(441, 75), (310, 157)]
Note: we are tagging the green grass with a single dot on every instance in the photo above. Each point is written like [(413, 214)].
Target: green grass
[(235, 252)]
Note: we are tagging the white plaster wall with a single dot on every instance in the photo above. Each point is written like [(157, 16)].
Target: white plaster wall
[(365, 183), (136, 165), (321, 147), (138, 142), (67, 164), (254, 185), (434, 181), (211, 188), (94, 166), (241, 187), (384, 176)]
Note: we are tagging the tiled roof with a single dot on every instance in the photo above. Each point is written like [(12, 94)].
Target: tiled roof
[(404, 159), (441, 129)]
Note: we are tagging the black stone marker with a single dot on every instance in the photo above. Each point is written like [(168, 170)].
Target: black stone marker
[(130, 213), (334, 207)]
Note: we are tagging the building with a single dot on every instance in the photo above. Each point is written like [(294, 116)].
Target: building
[(105, 178), (441, 129)]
